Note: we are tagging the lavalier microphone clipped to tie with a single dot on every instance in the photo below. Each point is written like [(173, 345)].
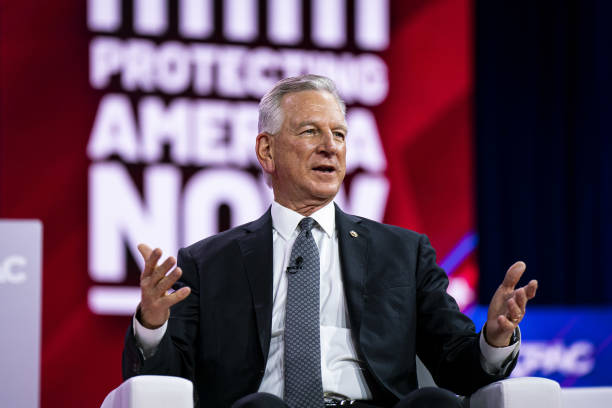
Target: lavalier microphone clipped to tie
[(297, 265)]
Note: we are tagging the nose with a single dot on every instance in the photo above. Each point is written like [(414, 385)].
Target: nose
[(329, 144)]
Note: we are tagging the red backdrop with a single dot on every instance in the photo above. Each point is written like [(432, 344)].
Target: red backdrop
[(47, 110)]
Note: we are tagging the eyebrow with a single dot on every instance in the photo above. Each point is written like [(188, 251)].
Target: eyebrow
[(311, 123)]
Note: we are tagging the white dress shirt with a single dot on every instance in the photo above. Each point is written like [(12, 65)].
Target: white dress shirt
[(341, 369)]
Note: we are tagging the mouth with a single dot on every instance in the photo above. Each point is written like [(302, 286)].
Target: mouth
[(324, 169)]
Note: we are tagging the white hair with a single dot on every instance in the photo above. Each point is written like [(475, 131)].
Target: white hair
[(270, 112)]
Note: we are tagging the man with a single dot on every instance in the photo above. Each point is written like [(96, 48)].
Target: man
[(308, 304)]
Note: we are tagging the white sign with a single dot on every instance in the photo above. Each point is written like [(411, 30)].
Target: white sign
[(20, 312), (11, 269), (173, 138)]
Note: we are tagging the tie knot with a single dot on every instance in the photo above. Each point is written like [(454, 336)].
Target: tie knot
[(306, 224)]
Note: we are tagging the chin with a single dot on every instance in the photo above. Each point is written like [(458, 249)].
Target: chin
[(323, 190), (326, 194)]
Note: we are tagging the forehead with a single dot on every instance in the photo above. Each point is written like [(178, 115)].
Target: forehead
[(315, 106)]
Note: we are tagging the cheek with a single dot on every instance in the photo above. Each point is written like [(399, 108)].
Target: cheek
[(284, 158), (292, 166)]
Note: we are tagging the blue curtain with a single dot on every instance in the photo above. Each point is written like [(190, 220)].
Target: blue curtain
[(543, 130)]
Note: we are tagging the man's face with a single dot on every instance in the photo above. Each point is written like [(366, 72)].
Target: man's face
[(309, 152)]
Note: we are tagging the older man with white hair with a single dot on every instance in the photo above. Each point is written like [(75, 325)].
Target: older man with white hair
[(308, 306)]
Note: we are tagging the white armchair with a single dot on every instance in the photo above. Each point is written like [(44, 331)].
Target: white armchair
[(152, 391), (524, 392), (586, 397)]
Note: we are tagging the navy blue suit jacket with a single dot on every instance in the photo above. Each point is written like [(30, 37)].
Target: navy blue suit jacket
[(219, 337)]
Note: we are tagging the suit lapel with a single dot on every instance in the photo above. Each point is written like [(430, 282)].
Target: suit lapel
[(256, 248), (353, 244)]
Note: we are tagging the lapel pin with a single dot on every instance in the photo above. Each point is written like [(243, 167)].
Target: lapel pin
[(353, 234)]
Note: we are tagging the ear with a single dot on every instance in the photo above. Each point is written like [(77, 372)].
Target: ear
[(263, 150)]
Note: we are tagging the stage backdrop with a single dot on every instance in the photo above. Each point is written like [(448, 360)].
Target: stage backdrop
[(127, 121)]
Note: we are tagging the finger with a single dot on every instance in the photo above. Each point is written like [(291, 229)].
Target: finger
[(520, 297), (515, 314), (151, 263), (505, 324), (166, 283), (145, 252), (514, 274), (530, 289), (175, 297), (163, 269)]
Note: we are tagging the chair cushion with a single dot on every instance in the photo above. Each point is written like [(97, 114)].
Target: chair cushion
[(524, 392), (151, 391), (586, 397)]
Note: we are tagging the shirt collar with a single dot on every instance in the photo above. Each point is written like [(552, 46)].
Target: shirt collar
[(285, 221)]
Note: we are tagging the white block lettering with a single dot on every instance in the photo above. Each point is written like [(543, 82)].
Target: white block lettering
[(150, 16), (285, 21), (208, 190), (229, 79), (210, 141), (244, 132), (173, 68), (374, 83), (160, 125), (113, 300), (372, 24), (103, 15), (104, 60), (261, 71), (196, 18), (10, 269), (367, 198), (328, 23), (240, 20), (203, 59), (118, 216), (114, 130), (363, 147), (138, 65)]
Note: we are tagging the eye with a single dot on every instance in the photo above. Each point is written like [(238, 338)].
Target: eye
[(340, 135), (309, 131)]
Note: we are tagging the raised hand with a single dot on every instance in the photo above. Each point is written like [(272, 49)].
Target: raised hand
[(155, 281), (507, 308)]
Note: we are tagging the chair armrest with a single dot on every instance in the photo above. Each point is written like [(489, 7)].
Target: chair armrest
[(586, 397), (524, 392), (151, 391)]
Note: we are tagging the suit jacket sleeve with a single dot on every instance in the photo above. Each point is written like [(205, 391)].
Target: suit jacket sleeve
[(446, 339), (177, 350)]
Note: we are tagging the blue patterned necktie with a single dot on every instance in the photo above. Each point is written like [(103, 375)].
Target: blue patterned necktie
[(303, 387)]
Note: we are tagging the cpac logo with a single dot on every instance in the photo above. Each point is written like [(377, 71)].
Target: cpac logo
[(9, 272), (573, 360)]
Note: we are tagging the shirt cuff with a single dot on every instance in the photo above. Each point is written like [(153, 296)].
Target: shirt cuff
[(148, 339), (495, 360)]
